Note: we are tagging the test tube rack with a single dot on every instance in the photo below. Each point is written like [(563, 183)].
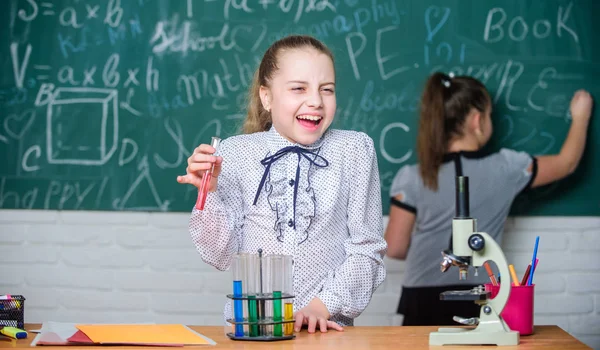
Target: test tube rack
[(268, 328), (262, 297)]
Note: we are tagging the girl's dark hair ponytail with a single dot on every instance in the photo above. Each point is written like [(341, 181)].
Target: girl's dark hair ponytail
[(445, 104)]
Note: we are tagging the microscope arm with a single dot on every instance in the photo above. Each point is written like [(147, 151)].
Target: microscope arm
[(492, 251)]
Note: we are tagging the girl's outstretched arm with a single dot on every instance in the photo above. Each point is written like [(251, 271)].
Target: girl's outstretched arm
[(555, 167)]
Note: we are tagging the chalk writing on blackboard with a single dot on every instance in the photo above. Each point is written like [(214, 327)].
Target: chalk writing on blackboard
[(101, 102)]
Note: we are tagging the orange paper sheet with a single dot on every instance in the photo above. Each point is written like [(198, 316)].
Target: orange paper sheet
[(142, 334)]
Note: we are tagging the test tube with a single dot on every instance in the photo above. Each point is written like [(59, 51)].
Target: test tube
[(267, 309), (288, 289), (246, 284), (277, 282), (261, 310), (205, 184), (237, 269), (251, 290)]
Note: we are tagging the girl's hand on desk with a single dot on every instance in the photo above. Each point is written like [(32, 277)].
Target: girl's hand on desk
[(200, 161), (313, 314)]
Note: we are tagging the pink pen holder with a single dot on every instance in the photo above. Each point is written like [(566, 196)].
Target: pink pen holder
[(518, 311)]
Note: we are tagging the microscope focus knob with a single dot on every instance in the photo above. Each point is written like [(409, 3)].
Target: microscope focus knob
[(476, 242)]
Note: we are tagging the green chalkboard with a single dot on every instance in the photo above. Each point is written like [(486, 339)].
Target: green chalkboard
[(102, 101)]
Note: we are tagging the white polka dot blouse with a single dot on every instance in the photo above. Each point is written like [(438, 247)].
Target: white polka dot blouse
[(321, 204)]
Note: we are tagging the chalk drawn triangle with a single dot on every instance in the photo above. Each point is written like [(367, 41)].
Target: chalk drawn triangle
[(142, 187)]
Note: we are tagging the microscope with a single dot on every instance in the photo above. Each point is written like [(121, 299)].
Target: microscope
[(472, 248)]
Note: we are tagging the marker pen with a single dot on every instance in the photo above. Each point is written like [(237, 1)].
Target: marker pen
[(203, 190), (13, 332), (7, 302)]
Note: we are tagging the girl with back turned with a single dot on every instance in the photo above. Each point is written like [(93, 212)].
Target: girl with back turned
[(455, 123)]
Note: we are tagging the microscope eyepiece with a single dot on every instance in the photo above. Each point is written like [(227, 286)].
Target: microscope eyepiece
[(462, 197)]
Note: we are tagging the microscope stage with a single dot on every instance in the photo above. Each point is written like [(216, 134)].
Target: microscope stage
[(477, 293)]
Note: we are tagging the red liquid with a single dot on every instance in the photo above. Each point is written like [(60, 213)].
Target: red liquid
[(203, 190)]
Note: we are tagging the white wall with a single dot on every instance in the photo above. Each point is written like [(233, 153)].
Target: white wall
[(142, 267)]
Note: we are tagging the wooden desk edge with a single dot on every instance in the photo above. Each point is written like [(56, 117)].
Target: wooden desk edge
[(363, 337)]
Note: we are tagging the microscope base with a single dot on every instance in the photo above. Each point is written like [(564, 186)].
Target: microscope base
[(460, 336)]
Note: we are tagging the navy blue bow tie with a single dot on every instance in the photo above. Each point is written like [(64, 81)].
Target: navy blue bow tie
[(312, 157)]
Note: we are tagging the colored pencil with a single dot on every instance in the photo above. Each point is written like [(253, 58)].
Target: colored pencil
[(535, 249), (513, 274)]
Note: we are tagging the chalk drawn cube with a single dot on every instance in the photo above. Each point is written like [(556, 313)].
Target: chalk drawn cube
[(82, 126)]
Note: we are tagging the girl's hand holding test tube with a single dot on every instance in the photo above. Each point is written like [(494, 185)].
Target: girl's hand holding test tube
[(203, 171)]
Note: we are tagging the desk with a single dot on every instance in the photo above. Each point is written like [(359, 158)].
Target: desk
[(545, 337)]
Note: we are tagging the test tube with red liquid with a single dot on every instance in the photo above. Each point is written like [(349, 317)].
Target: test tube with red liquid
[(203, 190)]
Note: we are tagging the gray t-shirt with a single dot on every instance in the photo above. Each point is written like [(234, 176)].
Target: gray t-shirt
[(494, 181)]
